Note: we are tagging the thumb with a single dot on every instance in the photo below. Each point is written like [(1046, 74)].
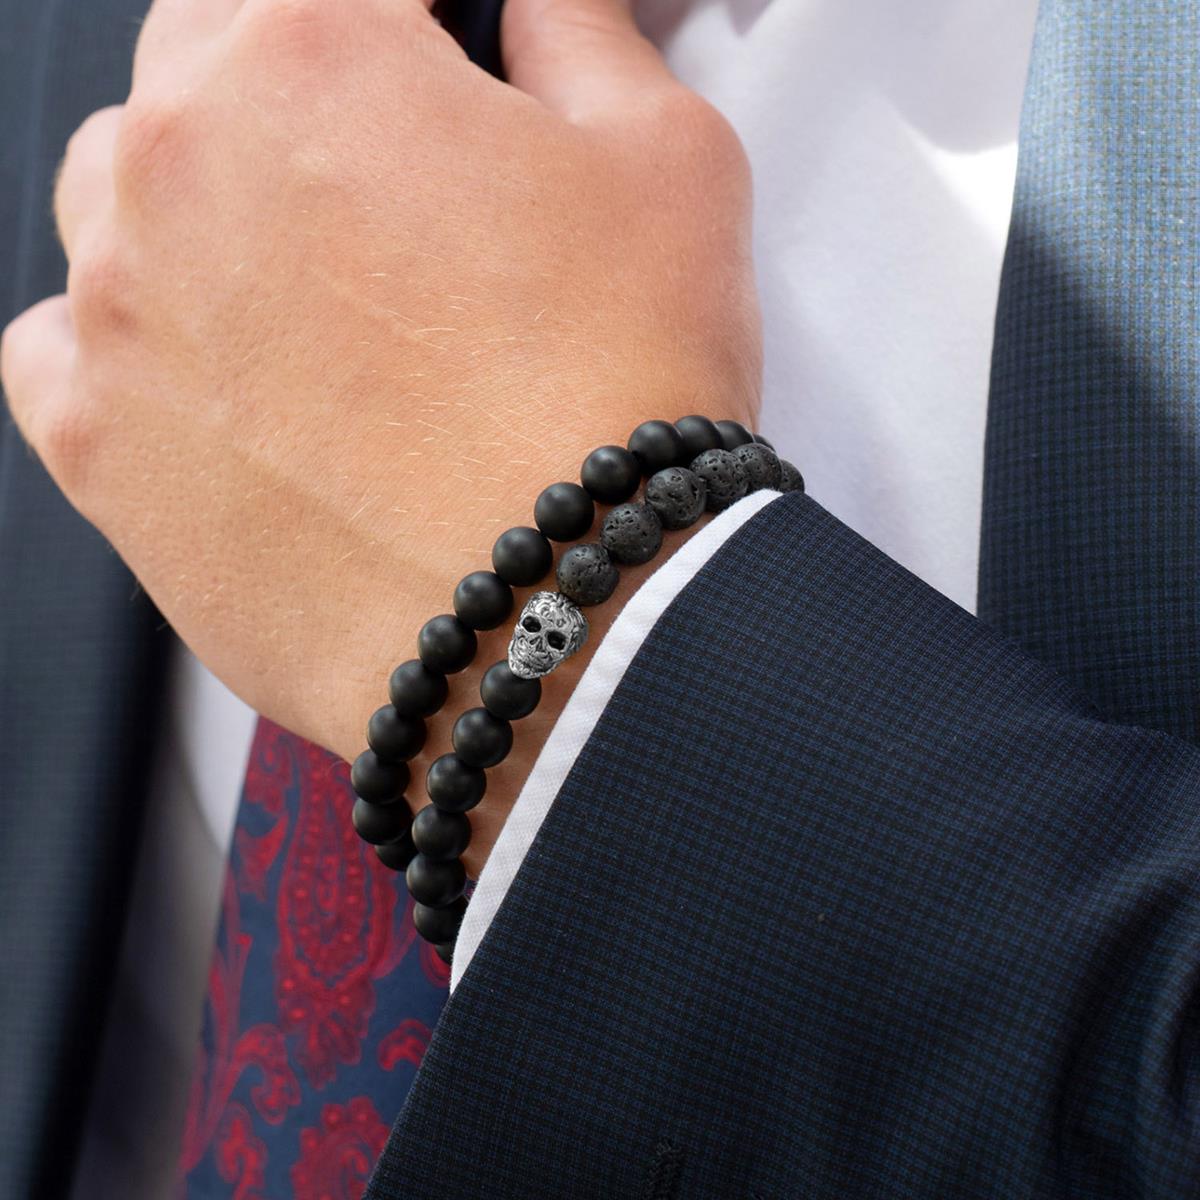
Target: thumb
[(581, 58)]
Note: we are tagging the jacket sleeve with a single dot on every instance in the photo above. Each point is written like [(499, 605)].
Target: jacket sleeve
[(845, 896)]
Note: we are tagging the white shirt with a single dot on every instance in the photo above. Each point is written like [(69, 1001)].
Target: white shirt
[(882, 138)]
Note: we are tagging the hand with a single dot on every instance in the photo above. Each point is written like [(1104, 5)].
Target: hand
[(340, 304)]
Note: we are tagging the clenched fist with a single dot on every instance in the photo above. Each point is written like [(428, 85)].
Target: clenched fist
[(340, 304)]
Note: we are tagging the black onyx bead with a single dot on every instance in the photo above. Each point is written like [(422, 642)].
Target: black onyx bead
[(564, 511), (522, 556), (480, 739), (483, 600), (376, 780), (416, 691), (439, 924), (733, 434), (761, 465), (677, 495), (506, 695), (398, 854), (724, 478), (435, 883), (632, 533), (656, 445), (379, 823), (439, 835), (762, 441), (445, 644), (610, 474), (699, 434), (445, 951), (790, 479), (587, 575), (393, 737), (454, 785)]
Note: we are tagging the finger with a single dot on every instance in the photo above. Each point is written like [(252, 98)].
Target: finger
[(579, 57), (84, 187), (175, 32), (37, 355)]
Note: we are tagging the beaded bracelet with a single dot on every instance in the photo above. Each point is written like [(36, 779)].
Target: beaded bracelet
[(724, 461)]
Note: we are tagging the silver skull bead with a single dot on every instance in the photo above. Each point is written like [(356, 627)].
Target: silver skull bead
[(550, 628)]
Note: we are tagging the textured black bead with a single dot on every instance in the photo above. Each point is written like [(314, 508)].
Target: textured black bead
[(699, 434), (762, 441), (435, 883), (439, 925), (761, 465), (376, 780), (379, 823), (656, 445), (398, 854), (440, 835), (587, 575), (724, 478), (445, 644), (445, 951), (416, 691), (733, 434), (564, 511), (393, 737), (483, 600), (453, 785), (522, 555), (506, 695), (610, 474), (677, 495), (632, 533), (480, 739), (790, 479)]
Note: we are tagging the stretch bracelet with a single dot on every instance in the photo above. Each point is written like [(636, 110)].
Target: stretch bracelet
[(693, 466)]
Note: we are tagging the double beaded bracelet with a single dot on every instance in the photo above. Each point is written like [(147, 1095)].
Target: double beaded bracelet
[(692, 466)]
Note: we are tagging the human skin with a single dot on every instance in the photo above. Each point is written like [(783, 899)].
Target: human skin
[(340, 304)]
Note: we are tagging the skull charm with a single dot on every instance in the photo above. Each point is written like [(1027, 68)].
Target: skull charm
[(550, 629)]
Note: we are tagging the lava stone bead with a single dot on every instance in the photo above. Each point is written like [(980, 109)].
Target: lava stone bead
[(440, 836), (393, 737), (483, 600), (762, 441), (610, 474), (416, 691), (632, 533), (453, 785), (379, 823), (733, 434), (677, 495), (521, 556), (436, 884), (398, 854), (699, 434), (564, 511), (587, 575), (445, 644), (656, 445), (761, 465), (506, 695), (480, 739), (724, 478), (439, 924), (376, 780), (790, 478)]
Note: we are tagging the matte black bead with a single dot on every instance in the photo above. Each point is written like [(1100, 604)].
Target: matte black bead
[(699, 434), (506, 695), (379, 823), (677, 495), (762, 441), (480, 739), (453, 785), (439, 925), (761, 465), (377, 780), (724, 478), (632, 533), (610, 474), (445, 644), (733, 434), (656, 445), (435, 883), (790, 479), (522, 555), (564, 511), (393, 737), (483, 600), (416, 691), (398, 854), (445, 951), (440, 835), (587, 575)]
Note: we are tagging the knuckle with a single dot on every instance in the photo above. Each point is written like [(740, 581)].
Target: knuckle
[(151, 142), (291, 32), (98, 285), (67, 440)]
